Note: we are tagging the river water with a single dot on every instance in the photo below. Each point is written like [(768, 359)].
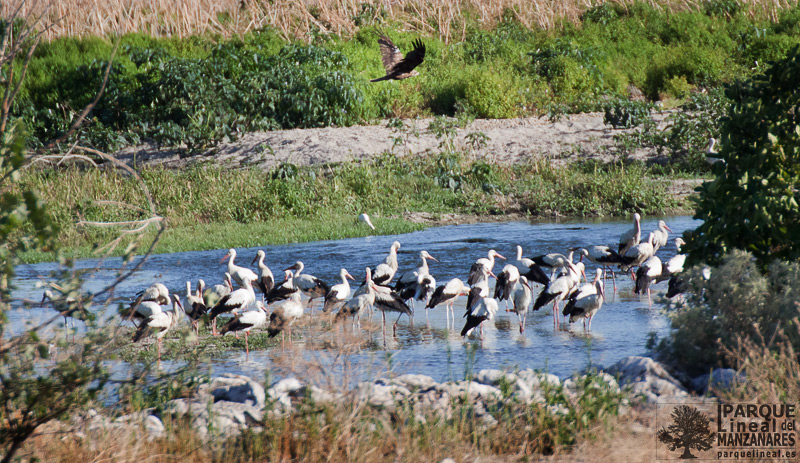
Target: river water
[(621, 328)]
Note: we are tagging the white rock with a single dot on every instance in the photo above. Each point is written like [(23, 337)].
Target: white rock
[(154, 426), (719, 378), (420, 382), (286, 386), (647, 378)]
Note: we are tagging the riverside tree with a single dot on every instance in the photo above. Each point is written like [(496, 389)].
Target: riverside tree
[(43, 378), (752, 204)]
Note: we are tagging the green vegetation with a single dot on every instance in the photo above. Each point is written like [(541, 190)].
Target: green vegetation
[(199, 91), (750, 235), (737, 303), (211, 208), (752, 202)]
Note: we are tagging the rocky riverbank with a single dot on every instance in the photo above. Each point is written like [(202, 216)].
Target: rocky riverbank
[(230, 404)]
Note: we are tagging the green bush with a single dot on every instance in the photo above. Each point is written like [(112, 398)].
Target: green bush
[(752, 202), (737, 302)]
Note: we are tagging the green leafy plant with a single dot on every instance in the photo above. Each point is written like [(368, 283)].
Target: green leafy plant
[(752, 202)]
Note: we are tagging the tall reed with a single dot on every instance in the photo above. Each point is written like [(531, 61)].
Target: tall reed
[(446, 19)]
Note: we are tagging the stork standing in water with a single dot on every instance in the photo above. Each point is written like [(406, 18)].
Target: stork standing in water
[(67, 305), (479, 290), (408, 282), (559, 289), (529, 269), (385, 271), (266, 281), (660, 235), (281, 319), (359, 303), (584, 303), (146, 303), (553, 261), (447, 294), (606, 257), (672, 270), (309, 285), (284, 290), (239, 274), (245, 322), (485, 309), (338, 293), (213, 294), (521, 298), (196, 302), (631, 237), (160, 323), (240, 299), (648, 271), (387, 300), (638, 254), (483, 262)]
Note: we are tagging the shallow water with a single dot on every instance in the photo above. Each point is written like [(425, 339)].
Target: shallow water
[(621, 328)]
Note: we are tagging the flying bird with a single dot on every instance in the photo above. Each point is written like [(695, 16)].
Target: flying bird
[(397, 66)]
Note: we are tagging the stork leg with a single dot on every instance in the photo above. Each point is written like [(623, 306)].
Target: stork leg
[(649, 300), (158, 349), (246, 345)]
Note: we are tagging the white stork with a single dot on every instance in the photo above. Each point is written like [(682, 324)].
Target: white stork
[(529, 269), (359, 302), (660, 235), (606, 257), (560, 288), (631, 237), (485, 309), (385, 271), (197, 304), (365, 219), (267, 280), (245, 322), (239, 274), (447, 294), (648, 271), (281, 319), (638, 254), (213, 294), (309, 285), (338, 293), (159, 323), (240, 299), (409, 281), (284, 290), (483, 262), (672, 270), (521, 297), (584, 303), (506, 280)]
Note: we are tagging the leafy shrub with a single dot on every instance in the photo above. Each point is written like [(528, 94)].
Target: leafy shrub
[(623, 113), (737, 302), (752, 202), (570, 69), (492, 95)]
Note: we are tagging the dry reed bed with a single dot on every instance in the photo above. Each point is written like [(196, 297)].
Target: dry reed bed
[(444, 18)]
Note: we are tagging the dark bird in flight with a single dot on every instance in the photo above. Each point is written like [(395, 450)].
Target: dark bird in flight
[(397, 66)]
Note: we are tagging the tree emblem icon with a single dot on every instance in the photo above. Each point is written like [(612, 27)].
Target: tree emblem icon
[(690, 430)]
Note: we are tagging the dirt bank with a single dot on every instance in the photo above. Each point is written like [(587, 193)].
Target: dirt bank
[(575, 137)]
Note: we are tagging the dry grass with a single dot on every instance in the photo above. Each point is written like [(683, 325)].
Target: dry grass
[(446, 19)]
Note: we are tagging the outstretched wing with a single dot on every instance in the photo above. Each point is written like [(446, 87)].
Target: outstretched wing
[(413, 59), (390, 54)]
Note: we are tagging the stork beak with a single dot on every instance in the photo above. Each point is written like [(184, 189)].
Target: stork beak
[(492, 274), (254, 259), (293, 267), (225, 257), (584, 276), (668, 229), (498, 255), (432, 258), (528, 284), (44, 298), (178, 300), (347, 274)]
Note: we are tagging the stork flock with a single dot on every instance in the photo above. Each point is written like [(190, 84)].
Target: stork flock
[(559, 275)]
